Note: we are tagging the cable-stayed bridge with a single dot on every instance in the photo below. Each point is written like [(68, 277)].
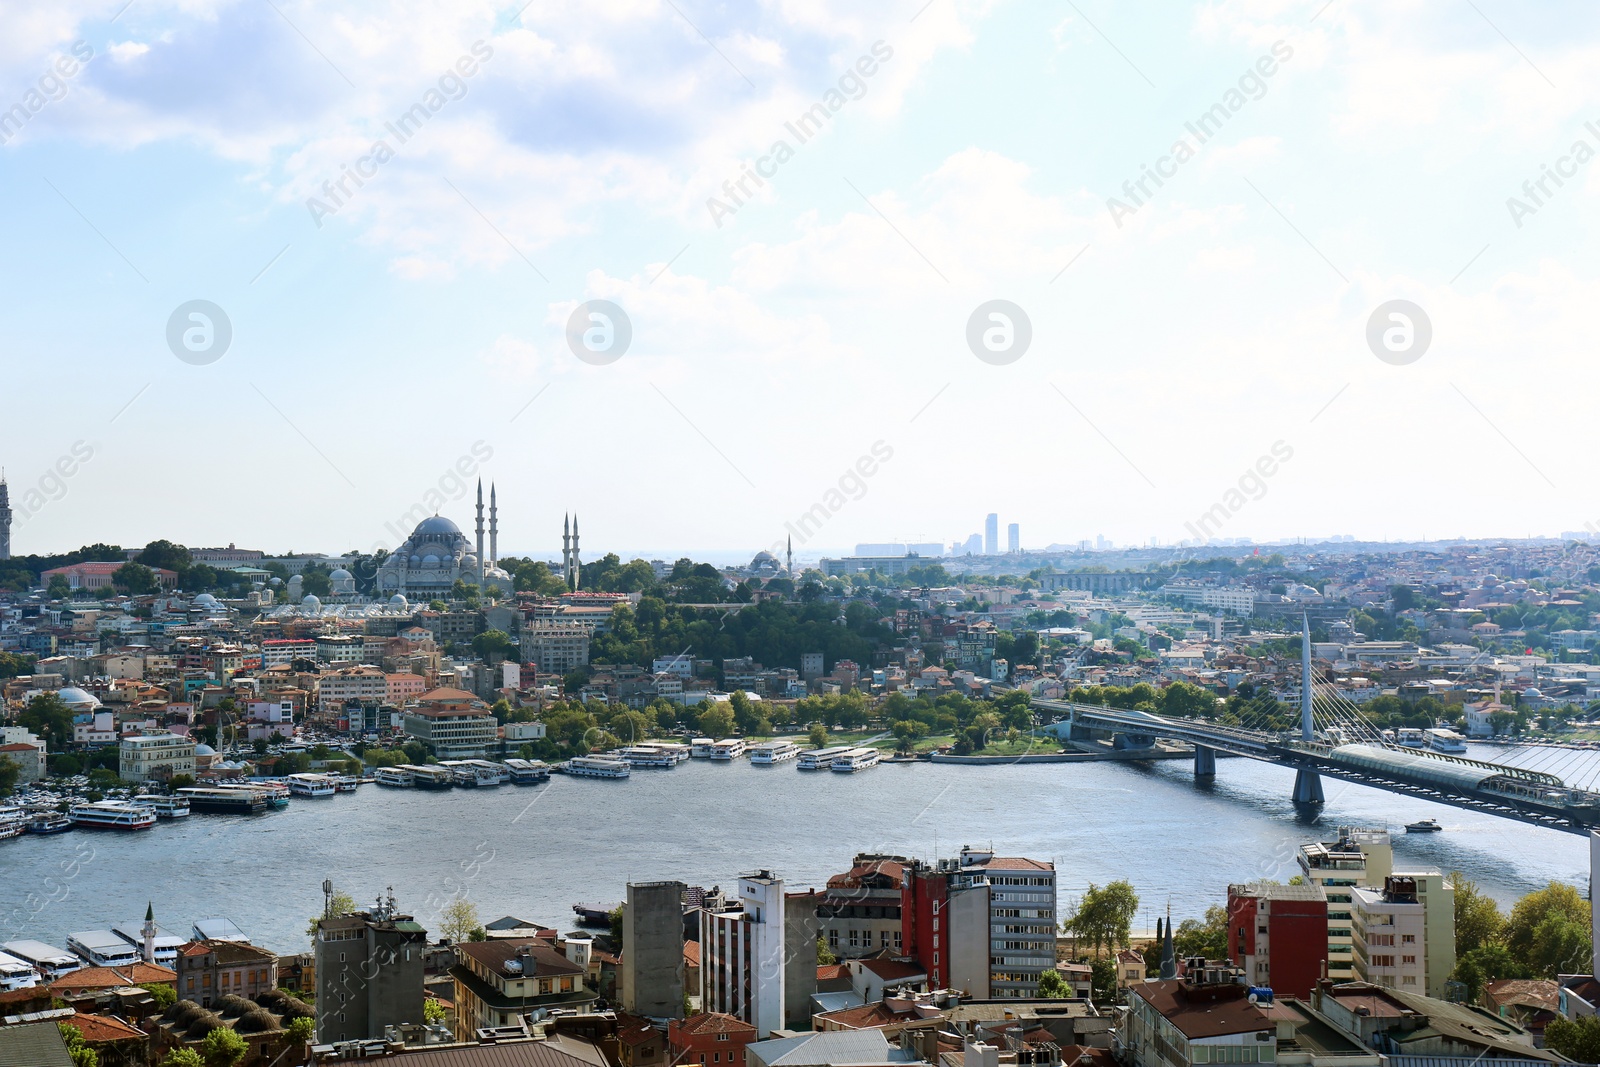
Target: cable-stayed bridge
[(1334, 740)]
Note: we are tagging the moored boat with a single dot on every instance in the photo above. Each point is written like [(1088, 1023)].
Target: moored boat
[(857, 759), (773, 752), (820, 759), (12, 822), (167, 807), (729, 748), (49, 822), (112, 815), (429, 776), (224, 800), (527, 772), (394, 777), (310, 785), (595, 767)]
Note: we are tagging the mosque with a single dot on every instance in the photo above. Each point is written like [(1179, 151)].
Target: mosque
[(438, 554)]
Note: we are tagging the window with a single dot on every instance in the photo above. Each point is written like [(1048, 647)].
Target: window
[(1408, 959), (722, 1037), (1408, 939), (833, 939)]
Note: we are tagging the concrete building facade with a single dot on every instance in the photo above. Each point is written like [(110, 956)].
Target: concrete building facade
[(652, 979), (369, 972)]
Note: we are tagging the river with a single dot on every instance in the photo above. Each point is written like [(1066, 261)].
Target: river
[(534, 851)]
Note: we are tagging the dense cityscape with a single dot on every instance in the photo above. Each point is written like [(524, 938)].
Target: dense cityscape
[(147, 688)]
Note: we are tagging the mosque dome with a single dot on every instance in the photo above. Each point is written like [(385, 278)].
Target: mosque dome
[(399, 602), (78, 699), (340, 575), (311, 603), (205, 600), (436, 526), (204, 750)]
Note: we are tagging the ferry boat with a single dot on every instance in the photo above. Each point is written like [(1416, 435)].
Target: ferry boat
[(49, 961), (729, 748), (819, 759), (1442, 740), (12, 822), (167, 807), (773, 752), (679, 752), (220, 800), (527, 772), (594, 914), (429, 776), (646, 756), (275, 793), (1411, 738), (595, 767), (49, 822), (857, 759), (460, 773), (310, 785), (345, 783), (16, 973), (395, 777), (487, 772), (701, 748), (112, 815)]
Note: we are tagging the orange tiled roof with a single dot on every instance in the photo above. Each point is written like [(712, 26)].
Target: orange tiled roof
[(86, 978), (98, 1028)]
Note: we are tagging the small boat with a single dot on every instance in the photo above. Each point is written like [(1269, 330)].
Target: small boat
[(594, 914), (1423, 826), (773, 752), (345, 783), (49, 822), (310, 785)]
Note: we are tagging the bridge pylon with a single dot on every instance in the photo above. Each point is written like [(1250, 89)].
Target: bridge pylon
[(1205, 762), (1308, 787)]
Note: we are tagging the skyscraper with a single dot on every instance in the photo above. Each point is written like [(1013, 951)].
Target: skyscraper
[(991, 535), (1013, 539), (5, 518)]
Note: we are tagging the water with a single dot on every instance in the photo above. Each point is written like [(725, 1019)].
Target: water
[(535, 851)]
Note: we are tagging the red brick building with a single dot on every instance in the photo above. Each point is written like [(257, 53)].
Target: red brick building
[(1278, 934), (708, 1039)]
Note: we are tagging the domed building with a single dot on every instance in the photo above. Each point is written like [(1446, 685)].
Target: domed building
[(438, 554), (78, 699), (343, 583)]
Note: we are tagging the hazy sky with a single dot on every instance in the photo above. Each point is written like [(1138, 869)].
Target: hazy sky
[(563, 152)]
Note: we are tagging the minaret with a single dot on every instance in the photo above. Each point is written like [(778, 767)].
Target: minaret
[(480, 535), (566, 550), (149, 932), (788, 565), (494, 529), (577, 564), (5, 518)]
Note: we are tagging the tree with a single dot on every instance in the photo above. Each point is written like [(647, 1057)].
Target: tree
[(82, 1055), (906, 733), (223, 1048), (1576, 1039), (183, 1057), (458, 919), (1054, 987), (1104, 916), (302, 1029), (1208, 938), (59, 588), (9, 773), (163, 995), (818, 735), (1478, 918), (1549, 931), (433, 1012), (825, 955), (135, 579), (340, 903), (491, 645), (716, 721), (1103, 979), (1487, 963), (48, 716)]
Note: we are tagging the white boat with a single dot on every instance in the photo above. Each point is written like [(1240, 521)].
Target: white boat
[(395, 777), (701, 748), (112, 815), (1411, 738), (680, 753), (49, 961), (13, 821), (819, 759), (488, 772), (16, 973), (646, 756), (167, 807), (430, 776), (1442, 740), (773, 752), (595, 767), (527, 772), (345, 783), (310, 785), (857, 759), (729, 748)]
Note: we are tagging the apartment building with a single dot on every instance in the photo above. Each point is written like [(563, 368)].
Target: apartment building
[(365, 685), (210, 970), (758, 960), (369, 972), (154, 756), (1359, 857), (860, 909), (1403, 933), (500, 981), (556, 647), (1278, 935), (981, 923)]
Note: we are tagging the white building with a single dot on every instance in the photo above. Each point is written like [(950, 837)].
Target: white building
[(1403, 934), (742, 955), (155, 755), (556, 647)]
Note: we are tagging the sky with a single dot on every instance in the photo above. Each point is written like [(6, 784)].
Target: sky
[(398, 219)]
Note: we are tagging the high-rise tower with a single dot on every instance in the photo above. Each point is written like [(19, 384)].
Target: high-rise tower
[(5, 518)]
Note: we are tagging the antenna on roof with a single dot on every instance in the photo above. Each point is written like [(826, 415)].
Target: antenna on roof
[(327, 898)]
